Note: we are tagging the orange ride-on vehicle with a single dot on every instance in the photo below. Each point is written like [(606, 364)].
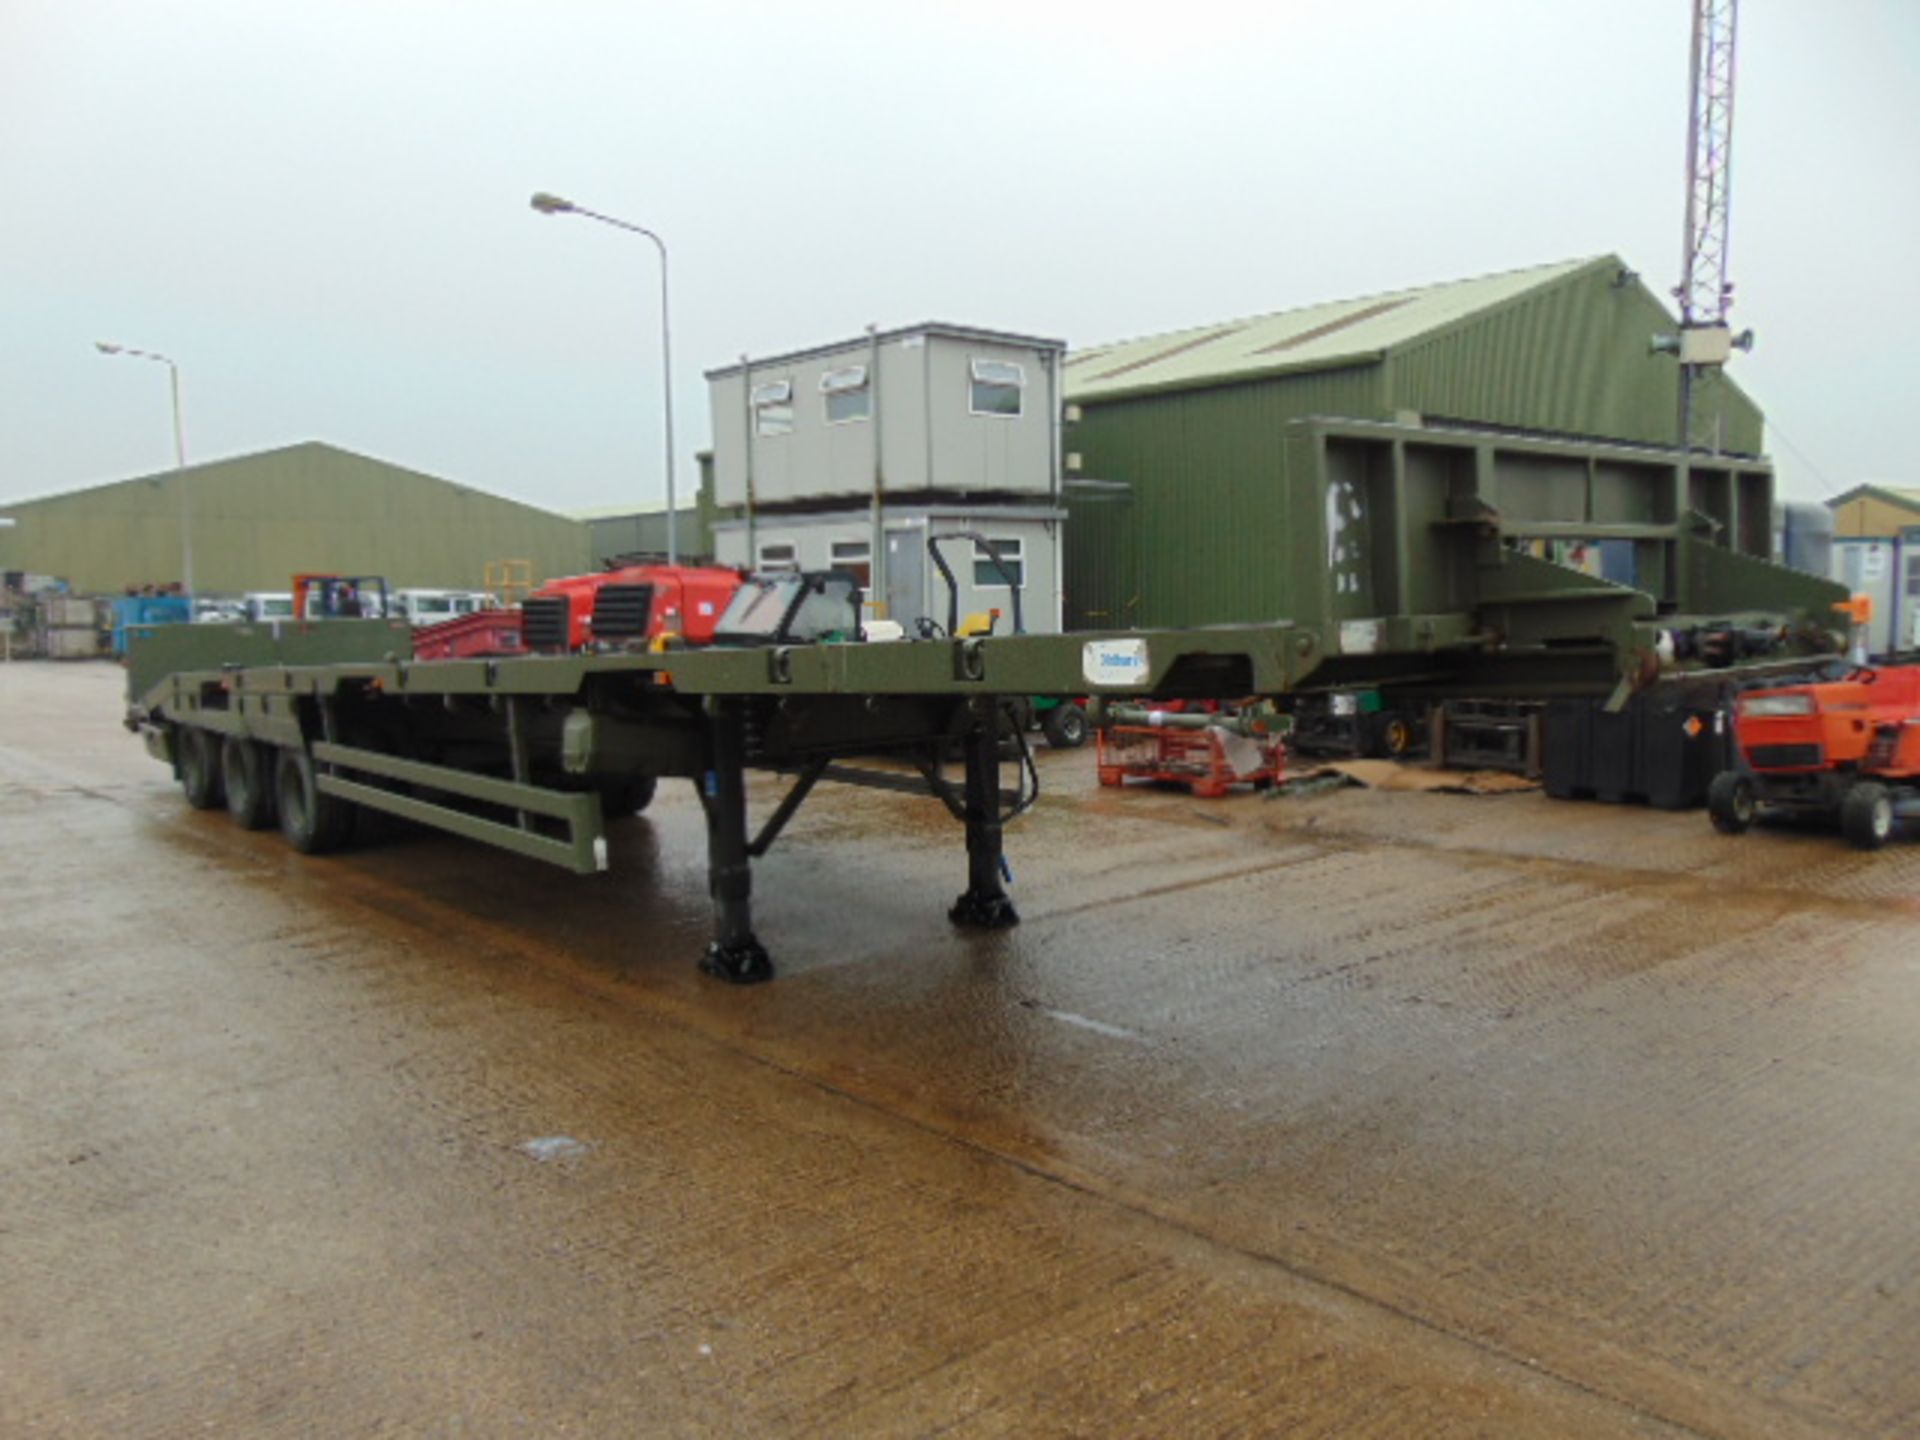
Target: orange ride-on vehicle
[(1848, 748)]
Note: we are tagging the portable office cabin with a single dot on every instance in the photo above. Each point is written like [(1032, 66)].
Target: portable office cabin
[(822, 455), (1178, 446), (908, 585), (934, 408), (1876, 553), (1885, 569)]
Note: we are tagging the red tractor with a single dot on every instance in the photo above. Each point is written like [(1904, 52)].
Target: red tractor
[(1848, 748)]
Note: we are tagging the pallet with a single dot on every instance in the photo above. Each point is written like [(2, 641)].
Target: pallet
[(1197, 759)]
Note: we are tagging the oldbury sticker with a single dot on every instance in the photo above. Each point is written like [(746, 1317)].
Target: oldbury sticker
[(1114, 662), (1359, 637)]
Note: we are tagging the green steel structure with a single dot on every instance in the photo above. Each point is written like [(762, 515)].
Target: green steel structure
[(1186, 478), (1408, 565), (628, 530), (256, 520)]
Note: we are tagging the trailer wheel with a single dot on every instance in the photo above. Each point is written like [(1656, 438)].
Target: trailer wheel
[(1395, 737), (1866, 815), (1065, 726), (246, 773), (1730, 802), (200, 769), (312, 823), (617, 802)]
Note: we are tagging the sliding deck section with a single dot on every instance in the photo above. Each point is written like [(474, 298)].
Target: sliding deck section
[(531, 753)]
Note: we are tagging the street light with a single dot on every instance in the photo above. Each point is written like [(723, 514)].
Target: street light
[(553, 205), (179, 457)]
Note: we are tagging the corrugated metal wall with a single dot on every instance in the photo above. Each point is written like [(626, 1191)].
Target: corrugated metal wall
[(1195, 540), (1872, 516), (1199, 537), (1570, 359), (259, 519), (646, 534)]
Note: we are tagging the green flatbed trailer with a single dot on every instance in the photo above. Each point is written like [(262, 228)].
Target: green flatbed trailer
[(530, 754)]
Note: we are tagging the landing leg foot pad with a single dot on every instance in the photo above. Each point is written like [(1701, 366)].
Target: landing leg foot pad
[(979, 910), (745, 962)]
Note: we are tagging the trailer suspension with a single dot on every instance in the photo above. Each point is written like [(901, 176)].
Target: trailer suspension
[(735, 954), (984, 905)]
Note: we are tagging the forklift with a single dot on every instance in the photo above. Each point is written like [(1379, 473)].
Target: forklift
[(339, 597)]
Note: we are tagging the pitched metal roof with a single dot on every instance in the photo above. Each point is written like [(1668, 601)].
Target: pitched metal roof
[(885, 337), (276, 455), (1317, 337), (1908, 495), (629, 511)]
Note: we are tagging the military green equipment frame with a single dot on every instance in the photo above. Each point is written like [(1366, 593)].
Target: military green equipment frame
[(1423, 580)]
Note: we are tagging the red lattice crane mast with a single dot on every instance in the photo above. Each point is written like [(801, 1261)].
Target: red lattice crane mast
[(1706, 341)]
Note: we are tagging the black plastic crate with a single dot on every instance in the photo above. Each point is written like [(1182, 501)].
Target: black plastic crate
[(1662, 750)]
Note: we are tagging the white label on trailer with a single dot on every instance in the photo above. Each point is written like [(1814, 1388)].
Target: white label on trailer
[(1359, 637), (1115, 662)]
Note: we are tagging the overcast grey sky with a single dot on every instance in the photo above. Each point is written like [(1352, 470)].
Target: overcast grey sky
[(319, 207)]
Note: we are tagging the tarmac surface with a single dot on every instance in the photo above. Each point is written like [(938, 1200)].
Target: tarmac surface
[(1360, 1114)]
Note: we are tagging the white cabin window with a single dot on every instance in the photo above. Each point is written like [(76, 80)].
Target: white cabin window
[(987, 576), (856, 558), (773, 408), (778, 557), (997, 387), (848, 395)]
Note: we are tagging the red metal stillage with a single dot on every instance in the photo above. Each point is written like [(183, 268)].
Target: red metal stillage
[(484, 632), (1198, 759)]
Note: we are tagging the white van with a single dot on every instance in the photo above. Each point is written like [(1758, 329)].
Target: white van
[(432, 607)]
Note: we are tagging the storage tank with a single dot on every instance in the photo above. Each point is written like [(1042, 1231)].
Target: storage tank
[(1804, 537)]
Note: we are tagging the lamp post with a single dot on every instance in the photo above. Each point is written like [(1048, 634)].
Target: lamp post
[(553, 205), (179, 458)]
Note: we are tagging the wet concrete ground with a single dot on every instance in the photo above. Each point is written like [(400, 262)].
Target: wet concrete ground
[(1357, 1115)]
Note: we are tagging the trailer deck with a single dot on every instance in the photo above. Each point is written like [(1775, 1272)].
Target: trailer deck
[(533, 753)]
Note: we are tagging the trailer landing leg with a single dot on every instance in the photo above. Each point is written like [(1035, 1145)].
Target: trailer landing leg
[(735, 954), (985, 905)]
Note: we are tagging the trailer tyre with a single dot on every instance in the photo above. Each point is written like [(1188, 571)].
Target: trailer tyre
[(1395, 736), (1866, 815), (312, 823), (1730, 802), (200, 769), (618, 802), (246, 771), (1065, 726)]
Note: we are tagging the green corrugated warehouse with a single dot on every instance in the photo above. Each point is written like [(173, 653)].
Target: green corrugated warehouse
[(1176, 443), (256, 520), (615, 530)]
